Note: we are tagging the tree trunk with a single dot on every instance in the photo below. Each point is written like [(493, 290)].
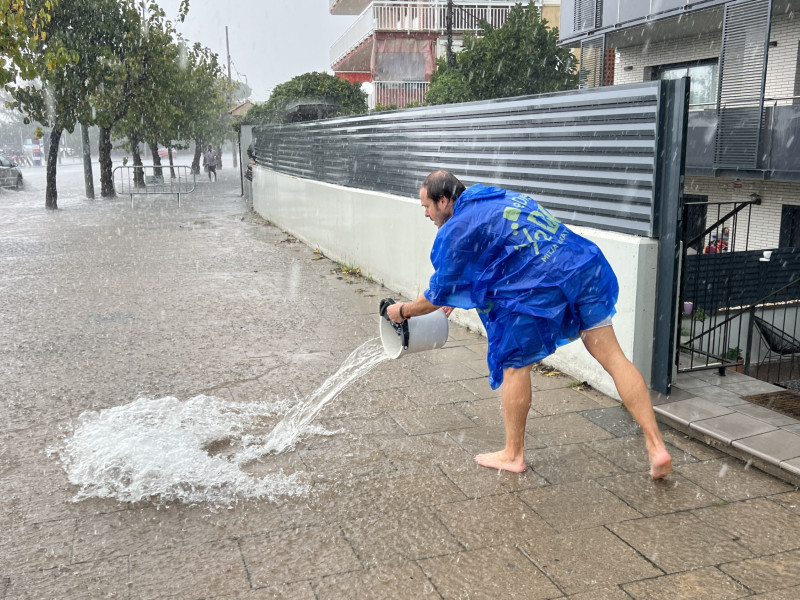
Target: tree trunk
[(106, 174), (51, 194), (234, 152), (218, 154), (171, 164), (138, 174), (198, 150), (88, 178), (157, 172)]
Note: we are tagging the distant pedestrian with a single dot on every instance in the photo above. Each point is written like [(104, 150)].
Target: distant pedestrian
[(210, 162)]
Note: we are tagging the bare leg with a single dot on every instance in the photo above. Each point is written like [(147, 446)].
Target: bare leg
[(516, 403), (602, 344)]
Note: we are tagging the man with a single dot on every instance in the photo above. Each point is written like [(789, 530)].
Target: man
[(210, 161), (536, 285)]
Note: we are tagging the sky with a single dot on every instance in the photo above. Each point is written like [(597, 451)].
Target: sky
[(271, 41)]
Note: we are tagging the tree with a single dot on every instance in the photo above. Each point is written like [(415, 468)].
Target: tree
[(21, 33), (152, 108), (322, 94), (521, 57), (59, 98)]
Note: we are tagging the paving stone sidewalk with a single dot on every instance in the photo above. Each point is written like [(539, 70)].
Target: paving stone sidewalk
[(101, 303)]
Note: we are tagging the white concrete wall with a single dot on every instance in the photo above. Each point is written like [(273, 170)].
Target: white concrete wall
[(389, 239)]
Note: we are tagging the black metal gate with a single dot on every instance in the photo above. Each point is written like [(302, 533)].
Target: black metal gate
[(720, 280)]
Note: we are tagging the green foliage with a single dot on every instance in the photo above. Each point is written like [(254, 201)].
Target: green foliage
[(22, 35), (734, 353), (521, 57), (699, 315), (313, 88)]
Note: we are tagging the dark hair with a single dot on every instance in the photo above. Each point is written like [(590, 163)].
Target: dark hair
[(443, 184)]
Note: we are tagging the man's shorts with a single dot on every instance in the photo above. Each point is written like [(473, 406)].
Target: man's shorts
[(604, 323)]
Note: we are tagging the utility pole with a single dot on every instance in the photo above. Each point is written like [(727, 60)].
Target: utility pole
[(228, 49), (451, 57)]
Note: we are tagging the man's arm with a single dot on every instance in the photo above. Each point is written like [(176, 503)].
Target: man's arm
[(416, 308)]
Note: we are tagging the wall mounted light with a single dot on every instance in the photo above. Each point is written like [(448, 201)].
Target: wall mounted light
[(629, 68), (773, 43), (755, 198)]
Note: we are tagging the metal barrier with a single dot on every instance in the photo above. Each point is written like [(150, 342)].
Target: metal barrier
[(150, 180)]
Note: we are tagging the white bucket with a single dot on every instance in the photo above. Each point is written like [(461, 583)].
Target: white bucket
[(424, 333)]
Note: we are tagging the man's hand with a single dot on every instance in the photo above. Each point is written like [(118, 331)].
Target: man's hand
[(447, 310), (393, 311)]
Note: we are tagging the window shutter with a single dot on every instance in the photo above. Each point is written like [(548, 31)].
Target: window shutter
[(588, 14), (743, 63), (590, 73)]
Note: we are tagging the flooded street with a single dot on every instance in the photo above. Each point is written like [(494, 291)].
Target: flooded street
[(148, 352)]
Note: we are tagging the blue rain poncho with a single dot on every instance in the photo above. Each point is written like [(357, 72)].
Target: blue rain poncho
[(534, 282)]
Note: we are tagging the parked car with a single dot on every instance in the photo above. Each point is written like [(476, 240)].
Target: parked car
[(162, 152), (10, 175)]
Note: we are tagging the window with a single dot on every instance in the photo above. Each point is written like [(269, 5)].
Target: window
[(695, 222), (703, 87), (790, 227)]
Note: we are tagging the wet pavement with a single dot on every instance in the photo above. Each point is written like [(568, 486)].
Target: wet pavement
[(101, 304)]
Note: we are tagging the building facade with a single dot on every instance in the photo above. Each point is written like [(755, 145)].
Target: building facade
[(743, 59), (394, 44)]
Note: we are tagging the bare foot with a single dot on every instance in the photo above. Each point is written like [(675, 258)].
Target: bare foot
[(499, 460), (660, 463)]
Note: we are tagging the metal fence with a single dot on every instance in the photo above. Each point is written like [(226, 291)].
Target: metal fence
[(591, 156), (149, 180)]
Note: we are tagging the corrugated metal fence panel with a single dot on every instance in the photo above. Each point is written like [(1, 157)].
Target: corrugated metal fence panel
[(743, 63), (588, 155)]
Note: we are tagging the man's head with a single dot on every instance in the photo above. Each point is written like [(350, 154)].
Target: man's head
[(208, 149), (438, 194)]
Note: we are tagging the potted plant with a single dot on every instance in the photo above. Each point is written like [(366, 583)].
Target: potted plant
[(735, 353)]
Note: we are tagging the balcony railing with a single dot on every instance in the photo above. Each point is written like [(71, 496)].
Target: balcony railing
[(397, 93), (417, 17), (779, 140)]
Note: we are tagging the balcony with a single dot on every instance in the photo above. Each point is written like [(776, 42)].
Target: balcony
[(410, 17), (779, 142), (348, 7), (397, 93)]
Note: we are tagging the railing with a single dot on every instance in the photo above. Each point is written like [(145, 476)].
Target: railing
[(772, 350), (418, 17), (150, 180), (779, 142), (715, 251), (397, 93)]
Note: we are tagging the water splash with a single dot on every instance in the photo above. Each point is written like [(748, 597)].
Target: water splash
[(159, 448), (286, 433), (197, 450)]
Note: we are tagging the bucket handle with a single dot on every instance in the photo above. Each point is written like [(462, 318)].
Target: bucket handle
[(400, 328)]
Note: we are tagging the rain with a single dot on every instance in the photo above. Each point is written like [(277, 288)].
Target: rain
[(224, 375)]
